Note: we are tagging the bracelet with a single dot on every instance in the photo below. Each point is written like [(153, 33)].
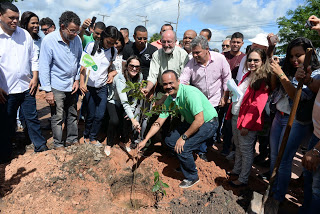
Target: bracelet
[(280, 75), (316, 150)]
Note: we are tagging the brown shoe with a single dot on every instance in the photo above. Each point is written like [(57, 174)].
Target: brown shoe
[(61, 148)]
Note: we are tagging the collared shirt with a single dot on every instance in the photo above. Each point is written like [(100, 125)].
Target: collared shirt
[(59, 63), (99, 78), (17, 58), (234, 62), (161, 62), (210, 79), (191, 102)]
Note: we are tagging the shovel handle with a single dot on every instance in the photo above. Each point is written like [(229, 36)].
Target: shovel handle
[(290, 120)]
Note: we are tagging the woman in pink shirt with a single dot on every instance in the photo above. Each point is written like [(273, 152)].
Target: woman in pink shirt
[(247, 113)]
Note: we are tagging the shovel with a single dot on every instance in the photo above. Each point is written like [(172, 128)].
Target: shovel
[(258, 203)]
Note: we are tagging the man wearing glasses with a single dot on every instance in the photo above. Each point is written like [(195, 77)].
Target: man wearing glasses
[(226, 45), (140, 48), (59, 76), (47, 25)]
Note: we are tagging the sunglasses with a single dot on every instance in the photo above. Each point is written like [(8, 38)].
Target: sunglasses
[(254, 60), (134, 66), (226, 46), (142, 38), (45, 29)]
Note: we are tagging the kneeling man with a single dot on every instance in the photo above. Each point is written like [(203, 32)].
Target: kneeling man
[(200, 124)]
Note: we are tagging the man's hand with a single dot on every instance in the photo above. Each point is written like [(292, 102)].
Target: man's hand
[(311, 161), (50, 98), (222, 102), (316, 23), (179, 145), (136, 125), (270, 40), (142, 144), (33, 85), (86, 24), (244, 132), (2, 98), (145, 91), (75, 87)]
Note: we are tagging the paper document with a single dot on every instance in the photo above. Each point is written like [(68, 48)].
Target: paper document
[(236, 93)]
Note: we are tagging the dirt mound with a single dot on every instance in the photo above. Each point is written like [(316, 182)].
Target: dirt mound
[(217, 201), (82, 180)]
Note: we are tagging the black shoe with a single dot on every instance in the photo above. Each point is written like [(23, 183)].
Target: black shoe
[(42, 149), (203, 157), (264, 176), (178, 169), (230, 173), (237, 185), (186, 183)]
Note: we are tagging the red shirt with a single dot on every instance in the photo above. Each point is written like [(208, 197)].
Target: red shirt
[(234, 62)]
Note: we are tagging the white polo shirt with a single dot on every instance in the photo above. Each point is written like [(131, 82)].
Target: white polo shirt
[(17, 58), (99, 78)]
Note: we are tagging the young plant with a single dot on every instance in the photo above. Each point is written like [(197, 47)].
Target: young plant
[(158, 184)]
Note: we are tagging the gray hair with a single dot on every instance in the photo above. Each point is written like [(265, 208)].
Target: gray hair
[(199, 40)]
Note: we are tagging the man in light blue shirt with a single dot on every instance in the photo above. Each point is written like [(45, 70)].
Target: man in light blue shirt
[(59, 71)]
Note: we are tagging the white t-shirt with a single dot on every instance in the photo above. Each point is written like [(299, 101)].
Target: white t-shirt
[(243, 88), (99, 78)]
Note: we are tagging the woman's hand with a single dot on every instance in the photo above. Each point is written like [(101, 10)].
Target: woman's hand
[(83, 88), (300, 74), (136, 125), (276, 69)]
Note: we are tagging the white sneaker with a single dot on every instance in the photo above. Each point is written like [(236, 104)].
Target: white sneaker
[(107, 151)]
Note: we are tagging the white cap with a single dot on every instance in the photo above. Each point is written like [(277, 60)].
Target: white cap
[(260, 39)]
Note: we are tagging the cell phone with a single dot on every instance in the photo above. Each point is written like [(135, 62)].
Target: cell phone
[(93, 20), (308, 24)]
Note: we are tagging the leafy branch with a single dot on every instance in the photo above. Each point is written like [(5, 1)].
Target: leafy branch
[(158, 184)]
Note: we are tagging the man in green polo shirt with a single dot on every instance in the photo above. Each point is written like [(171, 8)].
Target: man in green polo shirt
[(200, 124), (95, 35)]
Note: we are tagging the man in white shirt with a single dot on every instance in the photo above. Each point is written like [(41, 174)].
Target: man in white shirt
[(18, 85)]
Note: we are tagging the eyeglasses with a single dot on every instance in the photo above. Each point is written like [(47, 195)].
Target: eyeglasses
[(142, 38), (168, 42), (73, 31), (134, 66), (46, 29), (254, 60), (226, 46)]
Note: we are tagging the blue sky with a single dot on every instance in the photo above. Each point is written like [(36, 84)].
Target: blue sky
[(222, 17)]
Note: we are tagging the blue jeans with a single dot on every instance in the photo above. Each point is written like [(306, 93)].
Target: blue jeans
[(311, 201), (65, 107), (96, 100), (187, 164), (298, 134), (27, 104), (5, 145)]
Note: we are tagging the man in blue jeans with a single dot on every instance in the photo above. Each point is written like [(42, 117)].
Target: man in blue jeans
[(18, 81), (200, 124), (59, 76)]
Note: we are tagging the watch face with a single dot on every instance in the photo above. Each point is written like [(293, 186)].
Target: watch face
[(184, 137)]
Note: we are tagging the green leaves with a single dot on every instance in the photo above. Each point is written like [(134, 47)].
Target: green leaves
[(158, 184), (292, 25)]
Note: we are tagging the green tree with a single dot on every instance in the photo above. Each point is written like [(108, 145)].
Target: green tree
[(292, 25), (155, 37)]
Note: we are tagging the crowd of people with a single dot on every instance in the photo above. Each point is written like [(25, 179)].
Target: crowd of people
[(187, 75)]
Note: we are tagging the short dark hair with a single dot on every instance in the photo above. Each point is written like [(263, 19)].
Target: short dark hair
[(171, 71), (67, 17), (168, 25), (99, 25), (8, 6), (237, 35), (208, 31), (25, 19), (124, 28), (140, 28), (46, 21)]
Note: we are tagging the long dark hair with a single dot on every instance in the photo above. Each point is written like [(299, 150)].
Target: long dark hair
[(262, 74), (25, 19), (125, 70), (108, 32), (121, 39), (305, 43)]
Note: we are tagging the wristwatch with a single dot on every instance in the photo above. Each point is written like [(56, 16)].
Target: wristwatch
[(184, 137)]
